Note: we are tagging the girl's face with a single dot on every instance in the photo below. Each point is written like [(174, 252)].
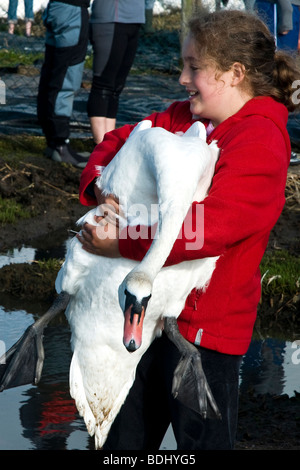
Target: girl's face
[(212, 94)]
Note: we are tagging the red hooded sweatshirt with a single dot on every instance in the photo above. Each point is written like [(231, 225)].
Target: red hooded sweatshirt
[(244, 202)]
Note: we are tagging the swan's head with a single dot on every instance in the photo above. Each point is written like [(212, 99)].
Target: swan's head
[(134, 295)]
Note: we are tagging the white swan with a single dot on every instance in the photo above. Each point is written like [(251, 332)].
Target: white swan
[(166, 173)]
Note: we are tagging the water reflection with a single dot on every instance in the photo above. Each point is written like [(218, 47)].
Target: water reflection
[(48, 415), (27, 254), (44, 417), (268, 368)]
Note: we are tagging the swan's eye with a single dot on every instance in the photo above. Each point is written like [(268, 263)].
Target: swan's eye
[(145, 301)]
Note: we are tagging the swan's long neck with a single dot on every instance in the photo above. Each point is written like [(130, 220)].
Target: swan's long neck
[(139, 282), (169, 225)]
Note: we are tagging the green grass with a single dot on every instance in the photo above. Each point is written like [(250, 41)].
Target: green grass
[(88, 64), (11, 210), (280, 273), (15, 148), (14, 57), (51, 264), (167, 22)]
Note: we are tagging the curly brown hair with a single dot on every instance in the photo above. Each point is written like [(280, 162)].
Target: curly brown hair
[(230, 36)]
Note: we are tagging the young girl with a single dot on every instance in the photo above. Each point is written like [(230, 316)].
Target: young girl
[(241, 88)]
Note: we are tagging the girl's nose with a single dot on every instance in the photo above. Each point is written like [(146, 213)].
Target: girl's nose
[(183, 80)]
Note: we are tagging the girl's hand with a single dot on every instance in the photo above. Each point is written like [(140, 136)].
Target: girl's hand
[(101, 240), (108, 206)]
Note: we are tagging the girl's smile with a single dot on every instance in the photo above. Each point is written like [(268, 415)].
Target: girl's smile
[(212, 94)]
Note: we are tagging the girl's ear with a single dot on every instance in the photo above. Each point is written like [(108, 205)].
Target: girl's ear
[(238, 73)]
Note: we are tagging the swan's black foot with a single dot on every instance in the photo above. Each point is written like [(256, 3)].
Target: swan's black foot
[(191, 388), (190, 385), (23, 363)]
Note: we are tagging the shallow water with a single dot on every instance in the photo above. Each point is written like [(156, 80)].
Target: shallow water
[(44, 416)]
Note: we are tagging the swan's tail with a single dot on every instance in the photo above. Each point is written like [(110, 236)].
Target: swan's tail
[(97, 423), (78, 393)]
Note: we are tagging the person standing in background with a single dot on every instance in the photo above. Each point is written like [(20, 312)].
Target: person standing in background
[(288, 35), (12, 16), (114, 32), (283, 19), (67, 24)]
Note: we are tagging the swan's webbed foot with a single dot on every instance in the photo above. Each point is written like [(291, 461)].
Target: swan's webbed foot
[(23, 363), (190, 385)]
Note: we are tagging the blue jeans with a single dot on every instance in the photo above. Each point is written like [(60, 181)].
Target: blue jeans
[(12, 10)]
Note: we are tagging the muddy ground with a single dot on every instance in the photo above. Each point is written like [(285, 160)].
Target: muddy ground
[(49, 191)]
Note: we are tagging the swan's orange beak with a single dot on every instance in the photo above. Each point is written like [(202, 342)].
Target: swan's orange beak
[(133, 320), (133, 329)]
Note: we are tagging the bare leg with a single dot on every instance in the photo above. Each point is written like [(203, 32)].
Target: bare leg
[(11, 28), (28, 28)]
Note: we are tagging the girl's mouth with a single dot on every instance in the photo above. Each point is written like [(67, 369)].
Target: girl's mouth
[(192, 94)]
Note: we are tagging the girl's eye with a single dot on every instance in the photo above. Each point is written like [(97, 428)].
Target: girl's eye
[(196, 67)]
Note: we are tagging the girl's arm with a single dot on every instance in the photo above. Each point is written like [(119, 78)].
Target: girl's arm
[(101, 156), (176, 118)]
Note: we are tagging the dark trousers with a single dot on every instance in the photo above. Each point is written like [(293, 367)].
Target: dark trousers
[(114, 47), (150, 406)]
